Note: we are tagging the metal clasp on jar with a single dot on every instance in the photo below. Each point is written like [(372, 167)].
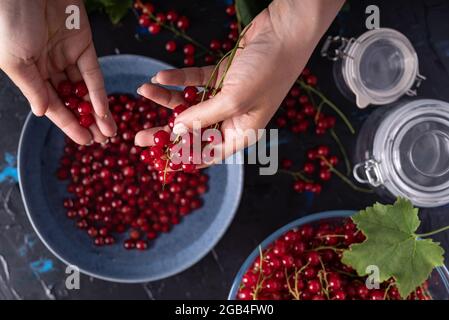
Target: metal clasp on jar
[(371, 171), (412, 92), (335, 47)]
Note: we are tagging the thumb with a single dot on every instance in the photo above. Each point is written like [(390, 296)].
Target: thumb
[(206, 113)]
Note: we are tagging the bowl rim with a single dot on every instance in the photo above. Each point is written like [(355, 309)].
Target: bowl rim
[(162, 275), (443, 271)]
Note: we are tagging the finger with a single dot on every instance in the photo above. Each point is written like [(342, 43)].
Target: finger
[(91, 73), (184, 77), (28, 79), (160, 95), (206, 113), (65, 119), (106, 125), (96, 132), (144, 138)]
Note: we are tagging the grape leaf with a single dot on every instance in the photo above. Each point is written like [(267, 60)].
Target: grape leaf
[(392, 245), (115, 9), (247, 10)]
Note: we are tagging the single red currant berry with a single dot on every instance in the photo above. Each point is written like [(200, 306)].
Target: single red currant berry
[(86, 120), (299, 186), (182, 107), (377, 295), (189, 61), (183, 23), (161, 138), (323, 151), (71, 103), (170, 46), (160, 18), (234, 25), (313, 286), (85, 108), (80, 89), (309, 110), (190, 94), (311, 154), (64, 88), (144, 21), (215, 45), (309, 168), (286, 164), (312, 80), (233, 35), (316, 188), (189, 49), (333, 160), (172, 16), (227, 45), (208, 59), (230, 10), (325, 174), (188, 167), (154, 28)]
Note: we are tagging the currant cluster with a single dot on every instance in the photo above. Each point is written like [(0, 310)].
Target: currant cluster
[(317, 167), (72, 95), (298, 112), (305, 264), (165, 155), (154, 21), (114, 193)]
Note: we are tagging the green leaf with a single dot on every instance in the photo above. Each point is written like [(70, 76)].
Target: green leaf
[(115, 9), (392, 245), (247, 10), (118, 10)]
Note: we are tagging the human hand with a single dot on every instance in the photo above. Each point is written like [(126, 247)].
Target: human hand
[(275, 50), (38, 52)]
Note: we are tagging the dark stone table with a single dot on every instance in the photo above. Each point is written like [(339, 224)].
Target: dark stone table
[(29, 271)]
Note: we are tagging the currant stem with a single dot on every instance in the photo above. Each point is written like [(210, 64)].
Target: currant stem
[(344, 178), (231, 58), (431, 233), (328, 102), (342, 151), (296, 175)]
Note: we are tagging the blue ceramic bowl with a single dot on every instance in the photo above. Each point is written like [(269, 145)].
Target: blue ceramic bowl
[(438, 281), (41, 146)]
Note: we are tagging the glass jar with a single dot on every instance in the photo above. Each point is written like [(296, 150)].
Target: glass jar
[(377, 68), (403, 151)]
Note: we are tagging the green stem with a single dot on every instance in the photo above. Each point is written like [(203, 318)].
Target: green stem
[(214, 73), (296, 174), (344, 178), (328, 102), (431, 233), (231, 59), (342, 151)]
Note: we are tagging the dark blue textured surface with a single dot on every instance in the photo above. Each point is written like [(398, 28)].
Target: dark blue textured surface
[(41, 147)]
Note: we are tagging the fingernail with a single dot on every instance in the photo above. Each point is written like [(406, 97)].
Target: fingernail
[(139, 90), (105, 142), (180, 129), (154, 80), (115, 134), (90, 143)]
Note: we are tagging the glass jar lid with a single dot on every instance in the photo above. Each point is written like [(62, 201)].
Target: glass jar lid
[(380, 66), (411, 148)]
